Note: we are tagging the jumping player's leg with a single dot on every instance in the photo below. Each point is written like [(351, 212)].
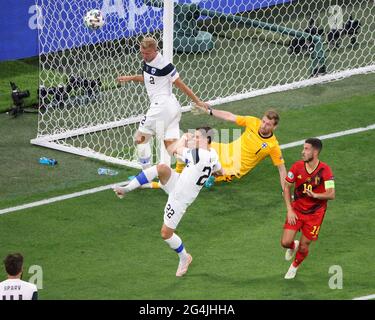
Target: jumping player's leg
[(162, 120), (146, 176), (287, 238), (180, 165), (303, 250), (310, 231), (168, 143), (173, 213), (148, 128), (143, 148), (288, 242), (175, 243), (301, 254)]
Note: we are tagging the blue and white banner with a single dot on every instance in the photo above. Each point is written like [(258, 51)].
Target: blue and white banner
[(18, 29), (20, 21)]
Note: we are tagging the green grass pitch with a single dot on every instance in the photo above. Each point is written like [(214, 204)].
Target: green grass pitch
[(99, 247)]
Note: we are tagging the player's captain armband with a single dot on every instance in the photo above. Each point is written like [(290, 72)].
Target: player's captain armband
[(330, 184)]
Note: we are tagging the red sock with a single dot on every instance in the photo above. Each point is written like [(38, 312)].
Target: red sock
[(300, 256), (292, 245)]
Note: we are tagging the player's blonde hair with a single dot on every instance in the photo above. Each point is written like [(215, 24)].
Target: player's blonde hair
[(149, 43), (272, 114)]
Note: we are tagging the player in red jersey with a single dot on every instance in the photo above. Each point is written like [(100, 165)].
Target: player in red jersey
[(313, 186)]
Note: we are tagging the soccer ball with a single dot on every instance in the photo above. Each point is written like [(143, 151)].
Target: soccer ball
[(93, 19)]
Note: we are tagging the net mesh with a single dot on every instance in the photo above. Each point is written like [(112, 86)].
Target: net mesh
[(223, 50)]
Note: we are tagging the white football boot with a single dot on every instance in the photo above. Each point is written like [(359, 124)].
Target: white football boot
[(183, 267), (291, 272), (289, 254), (120, 191)]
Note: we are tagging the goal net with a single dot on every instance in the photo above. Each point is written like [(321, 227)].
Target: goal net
[(224, 50)]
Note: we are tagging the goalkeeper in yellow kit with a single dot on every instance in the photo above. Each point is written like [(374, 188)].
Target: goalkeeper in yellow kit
[(255, 144)]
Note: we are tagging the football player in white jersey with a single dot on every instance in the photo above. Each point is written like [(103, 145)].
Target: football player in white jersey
[(165, 111), (182, 189), (14, 288)]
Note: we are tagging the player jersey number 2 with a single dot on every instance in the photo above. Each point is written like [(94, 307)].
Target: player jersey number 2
[(204, 177), (143, 120)]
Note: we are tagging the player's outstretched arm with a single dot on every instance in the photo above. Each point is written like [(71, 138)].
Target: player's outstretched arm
[(220, 114), (282, 174), (185, 89), (223, 115), (136, 78)]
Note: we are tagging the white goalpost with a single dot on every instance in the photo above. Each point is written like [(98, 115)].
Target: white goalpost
[(224, 50)]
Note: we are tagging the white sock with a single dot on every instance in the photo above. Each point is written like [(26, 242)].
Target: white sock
[(176, 244), (142, 178), (144, 154)]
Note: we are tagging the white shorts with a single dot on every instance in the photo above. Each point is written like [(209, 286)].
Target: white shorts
[(171, 183), (173, 212), (174, 209), (162, 119)]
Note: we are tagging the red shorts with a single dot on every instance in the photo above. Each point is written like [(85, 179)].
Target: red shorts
[(308, 224)]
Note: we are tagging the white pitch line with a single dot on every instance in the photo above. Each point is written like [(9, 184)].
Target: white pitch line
[(60, 198), (371, 296), (94, 190), (330, 136)]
